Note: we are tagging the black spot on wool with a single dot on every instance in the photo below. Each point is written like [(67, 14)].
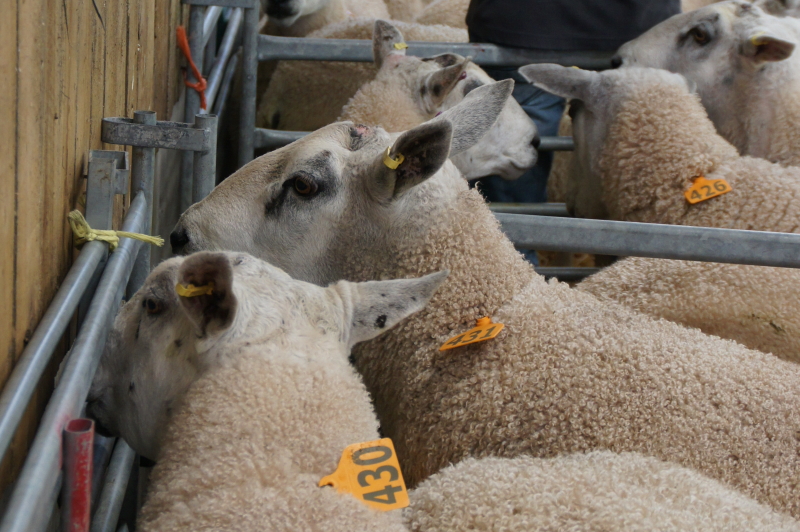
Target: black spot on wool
[(380, 323)]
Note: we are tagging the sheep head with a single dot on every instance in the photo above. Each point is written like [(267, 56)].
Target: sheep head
[(200, 312)]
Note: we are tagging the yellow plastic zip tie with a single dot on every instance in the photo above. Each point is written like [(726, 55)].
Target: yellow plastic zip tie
[(756, 40), (84, 233), (400, 46), (194, 291), (392, 163)]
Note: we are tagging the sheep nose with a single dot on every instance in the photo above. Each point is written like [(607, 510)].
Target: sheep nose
[(537, 140), (178, 238), (616, 61)]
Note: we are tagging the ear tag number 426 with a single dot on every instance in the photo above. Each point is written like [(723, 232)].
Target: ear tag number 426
[(703, 189), (484, 330), (371, 473)]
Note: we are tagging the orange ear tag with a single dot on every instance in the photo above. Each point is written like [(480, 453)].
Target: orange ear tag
[(703, 189), (484, 330), (371, 473)]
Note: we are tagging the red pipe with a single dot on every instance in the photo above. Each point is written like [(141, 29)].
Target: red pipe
[(76, 493)]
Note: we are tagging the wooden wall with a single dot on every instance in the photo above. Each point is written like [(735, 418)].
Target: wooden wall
[(64, 65)]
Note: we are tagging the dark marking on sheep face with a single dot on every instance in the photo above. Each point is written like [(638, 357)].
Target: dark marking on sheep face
[(178, 343), (380, 323), (471, 84)]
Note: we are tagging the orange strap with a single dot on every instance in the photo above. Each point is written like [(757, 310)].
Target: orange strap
[(201, 84)]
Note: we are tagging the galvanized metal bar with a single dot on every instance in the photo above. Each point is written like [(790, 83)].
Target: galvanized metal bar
[(169, 135), (103, 446), (292, 49), (704, 244), (209, 51), (192, 98), (247, 108), (142, 175), (119, 470), (35, 357), (272, 139), (224, 53), (225, 88), (205, 162), (223, 3), (210, 23), (539, 209), (41, 471), (567, 274), (108, 175)]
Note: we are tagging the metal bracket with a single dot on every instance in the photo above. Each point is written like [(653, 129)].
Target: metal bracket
[(169, 135), (108, 175)]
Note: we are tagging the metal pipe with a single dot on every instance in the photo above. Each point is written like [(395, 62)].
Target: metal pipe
[(103, 447), (271, 48), (567, 274), (40, 472), (76, 499), (225, 88), (210, 23), (205, 162), (272, 139), (706, 244), (247, 108), (224, 53), (36, 356), (539, 209), (142, 175), (119, 471), (192, 98)]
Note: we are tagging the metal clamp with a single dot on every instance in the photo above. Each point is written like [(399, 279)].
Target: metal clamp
[(169, 135), (108, 175)]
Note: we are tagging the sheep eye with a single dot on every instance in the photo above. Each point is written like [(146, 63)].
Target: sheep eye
[(304, 186), (700, 35), (151, 306)]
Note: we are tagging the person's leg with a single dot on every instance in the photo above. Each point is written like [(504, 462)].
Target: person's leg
[(545, 110)]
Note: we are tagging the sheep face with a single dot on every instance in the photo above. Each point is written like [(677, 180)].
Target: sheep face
[(780, 8), (337, 189), (286, 12), (162, 342), (594, 102), (734, 53)]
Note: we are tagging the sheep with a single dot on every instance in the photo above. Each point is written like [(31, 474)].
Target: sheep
[(781, 8), (568, 373), (742, 62), (306, 95), (593, 491), (691, 5), (408, 91), (299, 18), (451, 13), (641, 137), (264, 399)]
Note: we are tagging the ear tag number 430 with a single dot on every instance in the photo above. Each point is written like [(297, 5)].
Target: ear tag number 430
[(371, 473), (484, 330), (703, 189)]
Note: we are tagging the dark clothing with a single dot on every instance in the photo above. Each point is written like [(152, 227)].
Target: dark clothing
[(565, 25)]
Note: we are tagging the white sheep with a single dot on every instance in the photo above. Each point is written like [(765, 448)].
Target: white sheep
[(306, 95), (251, 387), (593, 491), (299, 18), (641, 138), (451, 13), (408, 90), (568, 373), (781, 8)]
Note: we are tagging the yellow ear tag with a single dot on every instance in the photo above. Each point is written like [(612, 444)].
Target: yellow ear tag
[(703, 189), (392, 163), (484, 330), (371, 473), (400, 46), (194, 291)]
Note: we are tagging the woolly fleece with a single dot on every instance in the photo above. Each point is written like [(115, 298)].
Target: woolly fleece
[(333, 12), (658, 141), (451, 13), (569, 373), (594, 491), (306, 95)]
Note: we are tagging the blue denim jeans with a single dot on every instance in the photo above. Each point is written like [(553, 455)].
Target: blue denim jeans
[(545, 110)]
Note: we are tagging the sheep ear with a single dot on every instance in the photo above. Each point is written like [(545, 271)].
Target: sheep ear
[(415, 156), (475, 114), (377, 306), (763, 47), (384, 38), (438, 84), (209, 302), (445, 60), (566, 82)]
